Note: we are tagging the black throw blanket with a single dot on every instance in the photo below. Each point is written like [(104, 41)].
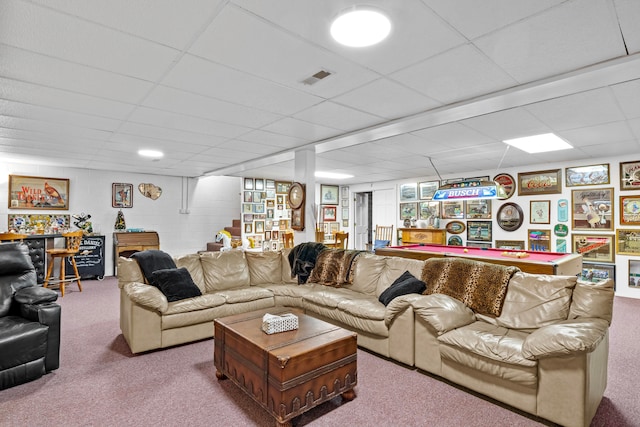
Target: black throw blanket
[(302, 259), (152, 260)]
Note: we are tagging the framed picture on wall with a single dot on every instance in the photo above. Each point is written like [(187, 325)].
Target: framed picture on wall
[(540, 182), (592, 209), (587, 175), (510, 216), (408, 210), (634, 273), (428, 189), (329, 213), (517, 245), (630, 210), (248, 183), (329, 194), (452, 209), (539, 212), (408, 192), (628, 241), (630, 175), (478, 209), (539, 240), (121, 195), (34, 192), (479, 231), (429, 210), (594, 247), (594, 272)]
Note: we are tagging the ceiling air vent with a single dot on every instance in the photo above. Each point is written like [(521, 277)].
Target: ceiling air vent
[(316, 77)]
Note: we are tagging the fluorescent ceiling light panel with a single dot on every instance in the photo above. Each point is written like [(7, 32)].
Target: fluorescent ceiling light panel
[(153, 154), (332, 175), (539, 143), (360, 27)]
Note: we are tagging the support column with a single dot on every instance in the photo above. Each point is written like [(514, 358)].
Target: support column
[(305, 169)]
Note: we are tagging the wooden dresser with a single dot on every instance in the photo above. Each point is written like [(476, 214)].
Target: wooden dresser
[(125, 244), (432, 236)]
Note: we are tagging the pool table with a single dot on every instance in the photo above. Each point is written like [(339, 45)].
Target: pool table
[(535, 262)]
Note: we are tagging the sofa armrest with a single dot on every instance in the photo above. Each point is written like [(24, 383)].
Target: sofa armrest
[(147, 296), (35, 295), (442, 312), (47, 313), (565, 338), (397, 306)]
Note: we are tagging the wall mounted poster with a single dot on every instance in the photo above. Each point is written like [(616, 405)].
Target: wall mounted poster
[(540, 182), (587, 175), (592, 209), (629, 210), (33, 192), (596, 248), (121, 195), (507, 182), (630, 175)]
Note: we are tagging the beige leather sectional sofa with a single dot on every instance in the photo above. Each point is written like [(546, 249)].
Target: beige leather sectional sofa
[(546, 353)]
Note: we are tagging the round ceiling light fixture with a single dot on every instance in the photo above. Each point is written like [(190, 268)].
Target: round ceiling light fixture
[(360, 26), (153, 154)]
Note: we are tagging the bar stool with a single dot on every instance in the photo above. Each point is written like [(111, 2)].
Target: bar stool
[(11, 237), (72, 247)]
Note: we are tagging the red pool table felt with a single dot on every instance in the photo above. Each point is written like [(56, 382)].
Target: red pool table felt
[(489, 252)]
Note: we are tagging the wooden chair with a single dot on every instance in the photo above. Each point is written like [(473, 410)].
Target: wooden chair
[(287, 239), (342, 240), (72, 247), (11, 237), (383, 237), (319, 236)]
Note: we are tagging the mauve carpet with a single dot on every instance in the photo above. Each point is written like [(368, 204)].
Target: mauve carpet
[(100, 383)]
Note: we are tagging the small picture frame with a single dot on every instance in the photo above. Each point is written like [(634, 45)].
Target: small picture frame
[(248, 183), (248, 196), (429, 210), (282, 187), (540, 182), (507, 182), (455, 227), (479, 231), (345, 213), (479, 245), (630, 210), (329, 194), (259, 184), (452, 209), (408, 192), (516, 245), (594, 247), (478, 209), (628, 241), (594, 272), (634, 274), (539, 240), (121, 195), (408, 210), (592, 209), (510, 216), (587, 175), (248, 228), (630, 175), (329, 213), (344, 191), (428, 189), (297, 219), (539, 211), (269, 184), (259, 227)]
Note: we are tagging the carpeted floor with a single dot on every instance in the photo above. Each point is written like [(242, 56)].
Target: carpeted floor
[(100, 383)]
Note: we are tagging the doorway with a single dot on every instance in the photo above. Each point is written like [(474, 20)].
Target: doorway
[(363, 219)]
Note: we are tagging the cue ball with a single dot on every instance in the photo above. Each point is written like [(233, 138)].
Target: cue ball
[(466, 250)]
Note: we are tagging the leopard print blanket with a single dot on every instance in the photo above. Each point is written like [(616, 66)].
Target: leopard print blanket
[(333, 267), (479, 285)]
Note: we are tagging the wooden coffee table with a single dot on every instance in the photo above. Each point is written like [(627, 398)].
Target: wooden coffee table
[(287, 373)]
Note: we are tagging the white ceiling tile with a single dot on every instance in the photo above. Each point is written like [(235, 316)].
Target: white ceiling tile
[(459, 74), (565, 38), (301, 129), (177, 101), (261, 49), (628, 12), (198, 75), (628, 96), (175, 135), (273, 139), (507, 124), (597, 135), (386, 98), (165, 21), (48, 32), (456, 136), (337, 116), (486, 16), (582, 109)]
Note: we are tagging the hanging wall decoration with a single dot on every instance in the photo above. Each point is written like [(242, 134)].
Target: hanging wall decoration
[(151, 191), (120, 222)]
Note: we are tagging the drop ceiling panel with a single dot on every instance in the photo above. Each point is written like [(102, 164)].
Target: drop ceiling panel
[(191, 104), (597, 135), (567, 37), (301, 129), (198, 75), (169, 120), (579, 110), (138, 129), (245, 42), (628, 97), (628, 12), (337, 116), (48, 32), (460, 73), (53, 128), (629, 149), (166, 21), (386, 98), (273, 139), (452, 136), (507, 124), (488, 15), (54, 98)]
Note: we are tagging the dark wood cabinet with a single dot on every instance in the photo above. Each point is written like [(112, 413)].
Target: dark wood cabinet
[(127, 243)]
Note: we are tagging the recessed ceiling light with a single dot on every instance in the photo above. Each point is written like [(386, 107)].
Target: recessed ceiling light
[(153, 154), (360, 26), (539, 143), (332, 175)]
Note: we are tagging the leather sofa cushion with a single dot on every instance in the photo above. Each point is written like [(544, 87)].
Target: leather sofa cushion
[(264, 267), (366, 273), (327, 296), (366, 307), (592, 300), (490, 341), (175, 283), (289, 290), (395, 266), (225, 270), (535, 300), (192, 263), (442, 312), (235, 296), (202, 302), (129, 272), (21, 341)]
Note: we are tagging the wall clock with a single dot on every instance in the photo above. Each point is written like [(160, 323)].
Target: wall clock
[(296, 195)]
